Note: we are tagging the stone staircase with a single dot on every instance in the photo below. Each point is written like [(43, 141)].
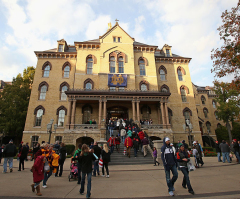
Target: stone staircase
[(121, 159)]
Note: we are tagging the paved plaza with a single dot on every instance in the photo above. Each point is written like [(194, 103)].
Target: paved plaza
[(213, 180)]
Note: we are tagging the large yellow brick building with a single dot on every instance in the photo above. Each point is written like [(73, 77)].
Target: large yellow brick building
[(113, 76)]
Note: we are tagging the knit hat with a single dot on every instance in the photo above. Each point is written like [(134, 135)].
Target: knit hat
[(167, 139), (235, 140)]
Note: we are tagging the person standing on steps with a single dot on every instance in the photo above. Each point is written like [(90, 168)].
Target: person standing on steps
[(135, 146), (117, 142), (111, 142), (128, 144), (169, 162), (145, 143)]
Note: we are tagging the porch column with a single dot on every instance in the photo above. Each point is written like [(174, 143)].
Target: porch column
[(133, 109), (138, 116), (158, 111), (100, 111), (73, 113), (104, 109), (166, 111), (162, 111), (69, 114)]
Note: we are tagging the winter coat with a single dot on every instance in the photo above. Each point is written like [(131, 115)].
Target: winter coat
[(97, 151), (141, 135), (135, 143), (129, 133), (123, 132), (117, 140), (106, 156), (38, 169), (235, 147), (218, 150), (199, 149), (167, 155), (224, 147), (128, 142), (24, 152), (155, 153), (86, 162), (145, 141), (181, 155), (111, 141), (10, 150), (62, 153)]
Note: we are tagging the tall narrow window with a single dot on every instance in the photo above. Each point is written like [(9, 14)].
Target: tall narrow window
[(38, 120), (61, 116), (183, 95), (142, 67), (60, 48), (168, 53), (119, 39), (187, 115), (208, 124), (214, 104), (89, 65), (114, 39), (88, 86), (58, 138), (216, 116), (66, 71), (34, 141), (112, 65), (63, 95), (86, 114), (143, 87), (120, 65), (46, 71), (162, 74), (205, 113), (203, 99), (180, 76), (43, 92)]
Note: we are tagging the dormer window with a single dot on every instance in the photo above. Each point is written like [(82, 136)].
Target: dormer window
[(168, 53), (60, 48)]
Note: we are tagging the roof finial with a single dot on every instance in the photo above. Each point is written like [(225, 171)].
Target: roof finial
[(116, 21)]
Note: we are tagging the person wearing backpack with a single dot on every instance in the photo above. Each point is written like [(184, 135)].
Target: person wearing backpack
[(106, 160), (77, 154)]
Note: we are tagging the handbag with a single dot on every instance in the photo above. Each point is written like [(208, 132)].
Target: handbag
[(100, 163), (191, 166)]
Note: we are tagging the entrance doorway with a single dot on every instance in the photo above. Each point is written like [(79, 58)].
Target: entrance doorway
[(117, 112), (84, 140)]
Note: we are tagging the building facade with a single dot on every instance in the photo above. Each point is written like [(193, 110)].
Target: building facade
[(112, 77)]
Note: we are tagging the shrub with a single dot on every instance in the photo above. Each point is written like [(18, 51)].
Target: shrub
[(70, 149), (208, 149)]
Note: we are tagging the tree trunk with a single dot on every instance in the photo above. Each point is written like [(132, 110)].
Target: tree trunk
[(229, 131)]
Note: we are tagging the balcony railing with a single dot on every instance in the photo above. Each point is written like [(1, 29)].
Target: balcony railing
[(155, 126), (85, 126)]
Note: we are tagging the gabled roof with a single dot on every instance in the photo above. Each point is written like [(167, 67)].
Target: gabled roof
[(111, 29), (135, 43), (54, 50)]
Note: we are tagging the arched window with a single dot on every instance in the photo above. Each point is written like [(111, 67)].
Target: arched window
[(120, 65), (203, 99), (216, 116), (86, 114), (145, 111), (187, 113), (88, 86), (208, 124), (142, 67), (61, 116), (170, 114), (46, 71), (214, 104), (205, 111), (162, 74), (66, 71), (43, 91), (38, 120), (183, 95), (112, 64), (63, 95), (180, 76), (165, 89), (89, 65), (143, 87)]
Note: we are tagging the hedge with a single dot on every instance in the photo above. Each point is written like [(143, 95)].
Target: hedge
[(70, 148)]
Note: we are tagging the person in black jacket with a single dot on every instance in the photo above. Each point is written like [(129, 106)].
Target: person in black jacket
[(97, 152), (236, 150), (85, 160), (23, 156), (218, 151), (62, 153), (135, 145), (35, 149), (9, 152)]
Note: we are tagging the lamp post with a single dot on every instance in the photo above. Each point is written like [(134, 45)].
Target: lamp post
[(49, 129), (190, 127)]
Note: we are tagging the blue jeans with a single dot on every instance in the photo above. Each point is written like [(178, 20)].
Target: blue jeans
[(47, 176), (226, 155), (186, 180), (112, 148), (219, 156), (96, 168), (89, 177), (237, 156), (170, 182), (10, 162), (135, 152), (123, 139), (36, 184), (79, 173), (111, 131)]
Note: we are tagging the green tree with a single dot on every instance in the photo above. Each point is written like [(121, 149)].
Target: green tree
[(228, 103), (221, 133), (226, 60), (14, 101), (236, 130)]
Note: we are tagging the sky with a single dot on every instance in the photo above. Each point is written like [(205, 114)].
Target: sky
[(189, 26)]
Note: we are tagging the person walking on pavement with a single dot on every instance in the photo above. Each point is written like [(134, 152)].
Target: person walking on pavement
[(85, 160), (27, 145), (128, 144), (97, 152), (225, 151), (183, 158), (155, 156), (76, 155), (106, 159), (22, 156), (236, 150), (111, 142), (169, 162), (62, 153), (145, 143), (200, 150), (9, 152), (218, 151)]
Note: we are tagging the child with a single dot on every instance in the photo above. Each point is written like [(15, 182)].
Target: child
[(155, 156), (74, 168)]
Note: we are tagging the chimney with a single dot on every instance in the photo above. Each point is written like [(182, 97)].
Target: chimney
[(109, 26)]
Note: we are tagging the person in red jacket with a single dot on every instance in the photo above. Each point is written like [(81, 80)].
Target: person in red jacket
[(128, 144), (141, 136), (38, 174), (117, 142), (111, 142)]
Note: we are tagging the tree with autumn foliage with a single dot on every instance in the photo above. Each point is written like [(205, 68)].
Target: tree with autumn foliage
[(226, 60), (228, 103)]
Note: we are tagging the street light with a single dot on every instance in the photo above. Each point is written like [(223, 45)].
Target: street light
[(190, 127), (49, 129)]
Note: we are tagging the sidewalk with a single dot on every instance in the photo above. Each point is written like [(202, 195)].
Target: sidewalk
[(213, 180)]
